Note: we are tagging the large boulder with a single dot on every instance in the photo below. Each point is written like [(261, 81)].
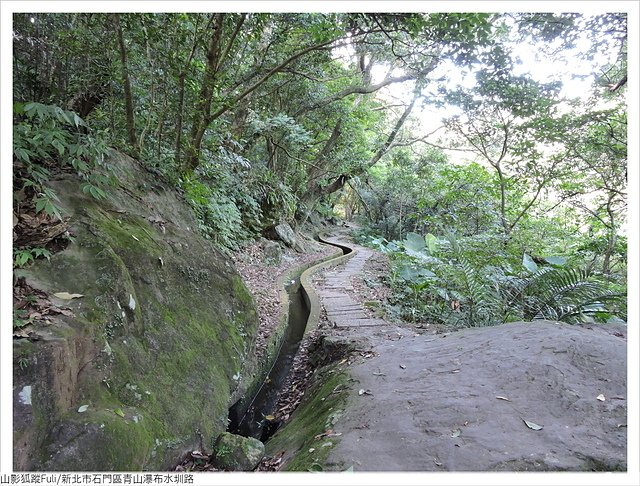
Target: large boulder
[(272, 251), (236, 453), (151, 354), (285, 233)]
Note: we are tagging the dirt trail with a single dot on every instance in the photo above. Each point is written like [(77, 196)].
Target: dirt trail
[(459, 401)]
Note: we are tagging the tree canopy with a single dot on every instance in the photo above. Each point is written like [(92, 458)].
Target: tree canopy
[(422, 123)]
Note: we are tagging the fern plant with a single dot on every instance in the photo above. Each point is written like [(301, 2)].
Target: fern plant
[(481, 303), (561, 294), (454, 290)]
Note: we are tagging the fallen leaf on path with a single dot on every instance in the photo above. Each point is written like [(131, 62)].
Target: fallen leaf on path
[(532, 425), (456, 433), (199, 456), (22, 332), (327, 433), (622, 425), (58, 310), (455, 371), (601, 397), (67, 295), (437, 463), (404, 367), (503, 398)]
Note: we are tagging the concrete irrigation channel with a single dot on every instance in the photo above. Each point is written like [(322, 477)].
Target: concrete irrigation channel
[(301, 311)]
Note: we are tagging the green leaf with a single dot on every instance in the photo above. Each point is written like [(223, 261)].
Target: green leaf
[(57, 144), (41, 252), (30, 109), (408, 273), (432, 243), (119, 412), (529, 264), (423, 272), (41, 203), (22, 257), (414, 242), (66, 117), (22, 154), (18, 108), (556, 261), (78, 122), (97, 193)]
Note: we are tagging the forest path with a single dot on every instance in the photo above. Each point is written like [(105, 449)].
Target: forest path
[(343, 310), (459, 401)]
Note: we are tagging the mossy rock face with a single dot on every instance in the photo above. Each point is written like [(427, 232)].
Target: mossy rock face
[(301, 438), (160, 340), (236, 453)]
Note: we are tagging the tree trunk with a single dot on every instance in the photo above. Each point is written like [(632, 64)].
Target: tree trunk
[(316, 191), (317, 169), (503, 199), (178, 143), (612, 238), (128, 97), (202, 112)]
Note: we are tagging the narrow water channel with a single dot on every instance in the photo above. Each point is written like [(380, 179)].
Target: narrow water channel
[(251, 421)]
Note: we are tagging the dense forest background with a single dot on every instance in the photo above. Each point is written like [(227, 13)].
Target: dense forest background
[(511, 206)]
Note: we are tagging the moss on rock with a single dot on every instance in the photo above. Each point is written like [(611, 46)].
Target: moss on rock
[(301, 437), (236, 453), (163, 328)]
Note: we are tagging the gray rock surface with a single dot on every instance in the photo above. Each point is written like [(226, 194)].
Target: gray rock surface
[(272, 251), (435, 406), (285, 233), (236, 453)]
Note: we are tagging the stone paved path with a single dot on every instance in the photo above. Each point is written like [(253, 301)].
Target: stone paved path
[(342, 309)]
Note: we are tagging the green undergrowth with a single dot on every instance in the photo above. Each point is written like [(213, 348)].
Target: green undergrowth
[(454, 282), (324, 403)]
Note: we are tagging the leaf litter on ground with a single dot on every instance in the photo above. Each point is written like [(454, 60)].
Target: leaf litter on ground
[(67, 295)]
